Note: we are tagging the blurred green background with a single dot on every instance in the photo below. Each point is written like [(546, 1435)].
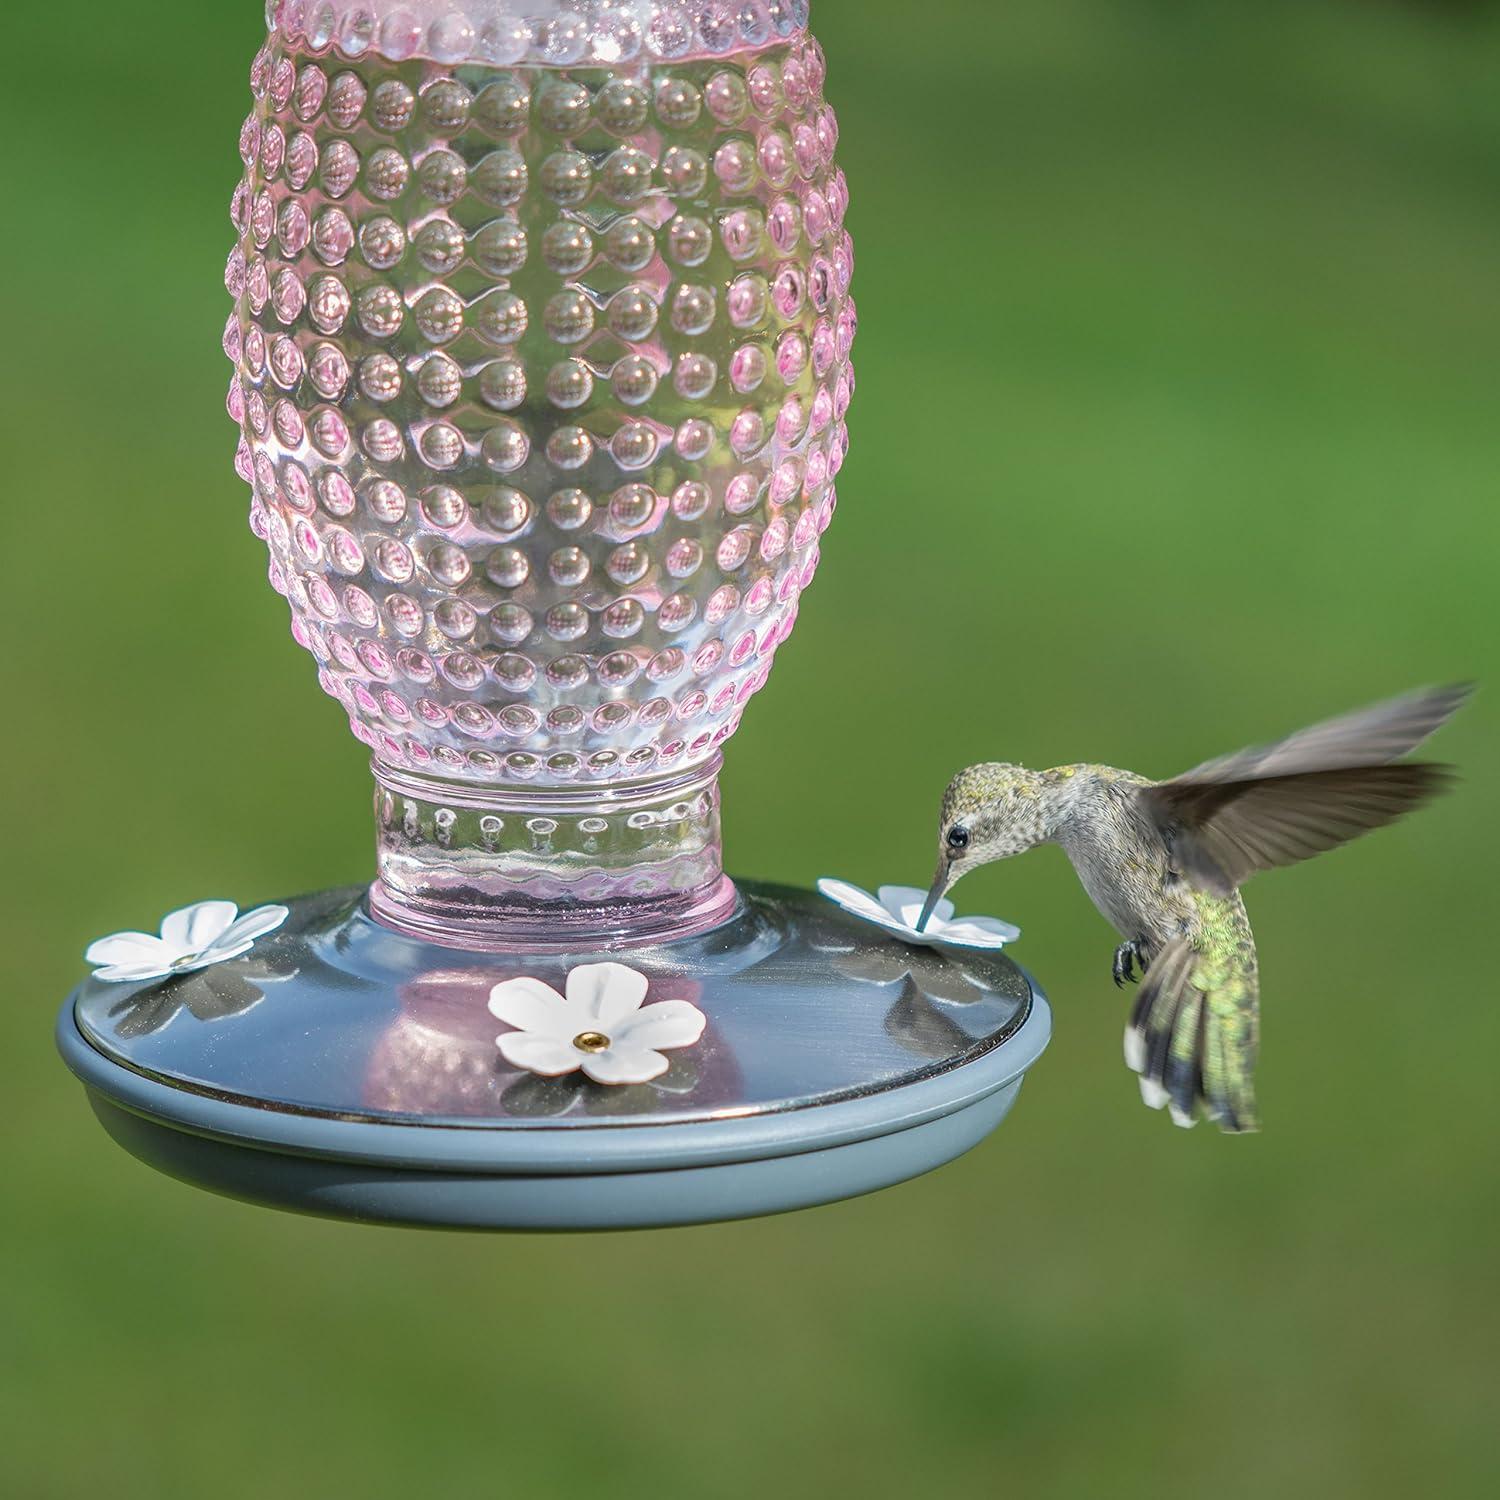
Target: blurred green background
[(1176, 427)]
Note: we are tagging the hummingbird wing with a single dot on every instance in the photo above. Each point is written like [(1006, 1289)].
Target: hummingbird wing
[(1276, 804), (1371, 736)]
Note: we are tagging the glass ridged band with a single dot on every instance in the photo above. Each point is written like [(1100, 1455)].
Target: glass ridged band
[(501, 869), (539, 33)]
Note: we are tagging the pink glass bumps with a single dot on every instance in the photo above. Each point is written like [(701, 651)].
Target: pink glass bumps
[(540, 346)]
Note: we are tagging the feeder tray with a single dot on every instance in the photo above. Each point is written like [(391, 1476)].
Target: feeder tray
[(344, 1069)]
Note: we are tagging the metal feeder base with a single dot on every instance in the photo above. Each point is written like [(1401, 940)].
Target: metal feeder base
[(343, 1069)]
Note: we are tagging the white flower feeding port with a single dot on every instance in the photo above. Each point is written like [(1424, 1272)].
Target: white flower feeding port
[(897, 908), (193, 937), (599, 1025)]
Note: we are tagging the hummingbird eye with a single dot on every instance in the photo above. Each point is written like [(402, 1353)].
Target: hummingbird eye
[(958, 837)]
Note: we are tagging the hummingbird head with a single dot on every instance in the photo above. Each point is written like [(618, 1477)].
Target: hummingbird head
[(990, 812)]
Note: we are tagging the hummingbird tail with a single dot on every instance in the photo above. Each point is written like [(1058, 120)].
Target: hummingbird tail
[(1191, 1038)]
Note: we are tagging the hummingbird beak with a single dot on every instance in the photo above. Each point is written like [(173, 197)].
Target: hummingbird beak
[(940, 883)]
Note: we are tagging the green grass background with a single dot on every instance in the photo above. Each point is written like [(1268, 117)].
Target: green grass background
[(1178, 425)]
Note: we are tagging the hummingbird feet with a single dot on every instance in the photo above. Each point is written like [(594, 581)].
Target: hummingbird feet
[(1128, 958)]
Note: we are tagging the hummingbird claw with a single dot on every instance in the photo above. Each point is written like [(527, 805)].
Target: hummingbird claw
[(1128, 957)]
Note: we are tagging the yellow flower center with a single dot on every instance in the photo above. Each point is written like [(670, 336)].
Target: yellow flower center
[(591, 1041)]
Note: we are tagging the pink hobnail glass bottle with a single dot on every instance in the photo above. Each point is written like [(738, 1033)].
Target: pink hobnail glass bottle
[(541, 341)]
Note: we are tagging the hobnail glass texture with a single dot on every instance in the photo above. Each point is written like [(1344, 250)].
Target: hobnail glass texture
[(541, 362)]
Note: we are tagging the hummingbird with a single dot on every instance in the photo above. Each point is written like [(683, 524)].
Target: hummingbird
[(1164, 862)]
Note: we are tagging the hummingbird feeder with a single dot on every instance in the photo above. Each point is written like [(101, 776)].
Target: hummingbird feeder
[(540, 349)]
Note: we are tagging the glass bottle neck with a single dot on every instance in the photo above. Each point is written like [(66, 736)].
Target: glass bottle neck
[(548, 869)]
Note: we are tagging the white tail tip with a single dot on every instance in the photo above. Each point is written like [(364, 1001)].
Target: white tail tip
[(1135, 1050), (1153, 1095)]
